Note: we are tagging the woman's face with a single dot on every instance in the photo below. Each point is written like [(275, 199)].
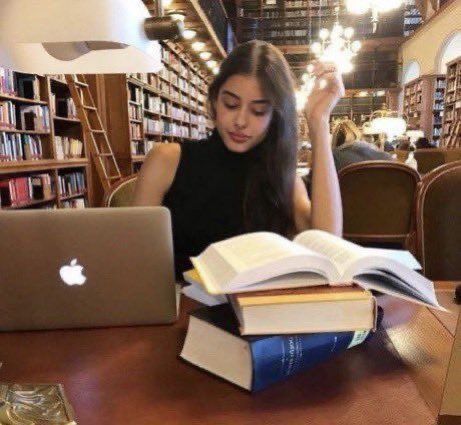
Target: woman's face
[(243, 113)]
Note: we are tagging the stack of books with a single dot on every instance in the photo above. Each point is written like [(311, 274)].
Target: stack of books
[(283, 306)]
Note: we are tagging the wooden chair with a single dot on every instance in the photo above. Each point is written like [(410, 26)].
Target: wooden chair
[(121, 194), (378, 203), (428, 159), (438, 219)]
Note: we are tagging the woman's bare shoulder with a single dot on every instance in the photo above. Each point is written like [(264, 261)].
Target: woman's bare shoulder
[(157, 173)]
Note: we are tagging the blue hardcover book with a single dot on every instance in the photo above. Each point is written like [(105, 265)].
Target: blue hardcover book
[(213, 343)]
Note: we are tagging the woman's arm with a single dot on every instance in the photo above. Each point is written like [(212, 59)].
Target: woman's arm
[(325, 212), (157, 175)]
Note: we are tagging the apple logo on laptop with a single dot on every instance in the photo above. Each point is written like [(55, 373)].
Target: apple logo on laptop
[(72, 274)]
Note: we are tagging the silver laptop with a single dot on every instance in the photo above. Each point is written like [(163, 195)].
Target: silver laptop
[(86, 268)]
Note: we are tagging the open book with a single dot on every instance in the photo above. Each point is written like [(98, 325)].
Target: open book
[(264, 260)]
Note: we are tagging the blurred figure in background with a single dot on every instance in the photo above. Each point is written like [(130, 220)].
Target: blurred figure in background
[(349, 148)]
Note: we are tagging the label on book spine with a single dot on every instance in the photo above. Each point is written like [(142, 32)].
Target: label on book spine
[(358, 338), (276, 358)]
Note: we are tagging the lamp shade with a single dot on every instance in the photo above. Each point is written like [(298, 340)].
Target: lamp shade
[(391, 126), (70, 37)]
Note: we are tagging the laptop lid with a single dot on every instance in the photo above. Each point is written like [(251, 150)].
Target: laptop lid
[(86, 268)]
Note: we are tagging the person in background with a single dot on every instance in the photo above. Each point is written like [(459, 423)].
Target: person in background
[(424, 143), (242, 178), (348, 148)]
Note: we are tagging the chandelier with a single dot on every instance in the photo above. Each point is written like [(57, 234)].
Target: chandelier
[(337, 46), (377, 6), (334, 46)]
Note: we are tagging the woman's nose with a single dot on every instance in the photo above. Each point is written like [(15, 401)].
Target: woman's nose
[(241, 119)]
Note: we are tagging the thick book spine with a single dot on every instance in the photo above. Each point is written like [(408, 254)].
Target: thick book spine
[(279, 357)]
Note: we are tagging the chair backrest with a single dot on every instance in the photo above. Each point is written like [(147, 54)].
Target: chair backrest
[(121, 194), (438, 218), (378, 201), (428, 159)]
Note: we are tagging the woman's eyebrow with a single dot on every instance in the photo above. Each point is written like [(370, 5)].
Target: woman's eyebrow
[(259, 101)]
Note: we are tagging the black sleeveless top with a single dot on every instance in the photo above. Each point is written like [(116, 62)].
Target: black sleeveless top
[(206, 197)]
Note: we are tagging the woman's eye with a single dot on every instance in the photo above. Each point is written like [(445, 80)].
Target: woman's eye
[(230, 105), (260, 113)]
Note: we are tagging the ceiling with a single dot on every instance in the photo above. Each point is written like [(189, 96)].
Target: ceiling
[(294, 25)]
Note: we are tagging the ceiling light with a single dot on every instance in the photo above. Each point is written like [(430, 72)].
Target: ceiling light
[(198, 45), (166, 3), (189, 34), (177, 15), (109, 36), (381, 93), (215, 70), (376, 6), (211, 64), (363, 94), (205, 55)]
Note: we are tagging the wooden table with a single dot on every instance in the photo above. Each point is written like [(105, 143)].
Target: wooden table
[(134, 376)]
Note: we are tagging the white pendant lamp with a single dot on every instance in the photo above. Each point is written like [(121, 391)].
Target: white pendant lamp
[(82, 36)]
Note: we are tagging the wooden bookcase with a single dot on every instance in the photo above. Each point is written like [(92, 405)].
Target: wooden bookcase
[(452, 112), (145, 109), (44, 161), (423, 105)]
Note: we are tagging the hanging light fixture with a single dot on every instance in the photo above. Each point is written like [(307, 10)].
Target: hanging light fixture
[(376, 6), (337, 46), (205, 55), (387, 122), (177, 15), (198, 46), (189, 34), (82, 37)]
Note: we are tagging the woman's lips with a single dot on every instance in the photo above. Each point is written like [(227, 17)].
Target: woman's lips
[(237, 137)]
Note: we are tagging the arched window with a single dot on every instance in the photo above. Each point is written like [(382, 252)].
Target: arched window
[(450, 49), (411, 71)]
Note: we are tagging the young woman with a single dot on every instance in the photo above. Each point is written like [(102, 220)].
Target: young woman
[(243, 177)]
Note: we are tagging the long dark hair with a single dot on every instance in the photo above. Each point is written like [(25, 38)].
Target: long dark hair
[(268, 201)]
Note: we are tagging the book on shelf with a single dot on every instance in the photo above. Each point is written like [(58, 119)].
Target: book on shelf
[(27, 86), (68, 147), (21, 190), (19, 147), (7, 85), (265, 260), (34, 118), (213, 343)]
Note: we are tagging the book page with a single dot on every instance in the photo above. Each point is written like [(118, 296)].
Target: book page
[(339, 251), (254, 250), (390, 284)]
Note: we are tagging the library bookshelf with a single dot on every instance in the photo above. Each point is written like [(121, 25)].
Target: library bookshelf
[(451, 130), (145, 109), (423, 105), (43, 160)]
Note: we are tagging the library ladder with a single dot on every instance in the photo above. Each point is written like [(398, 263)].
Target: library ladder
[(454, 136), (96, 136)]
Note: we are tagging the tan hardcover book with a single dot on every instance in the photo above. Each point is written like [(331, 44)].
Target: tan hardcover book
[(305, 310)]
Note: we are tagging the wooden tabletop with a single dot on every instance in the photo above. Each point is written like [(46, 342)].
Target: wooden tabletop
[(134, 376)]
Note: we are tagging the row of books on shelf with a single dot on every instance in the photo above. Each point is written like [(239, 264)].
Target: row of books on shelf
[(78, 203), (134, 112), (63, 106), (285, 322), (19, 84), (164, 127), (142, 147), (22, 190), (71, 183), (28, 117), (20, 147), (68, 147)]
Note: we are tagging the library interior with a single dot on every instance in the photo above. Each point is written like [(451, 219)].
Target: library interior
[(230, 212)]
